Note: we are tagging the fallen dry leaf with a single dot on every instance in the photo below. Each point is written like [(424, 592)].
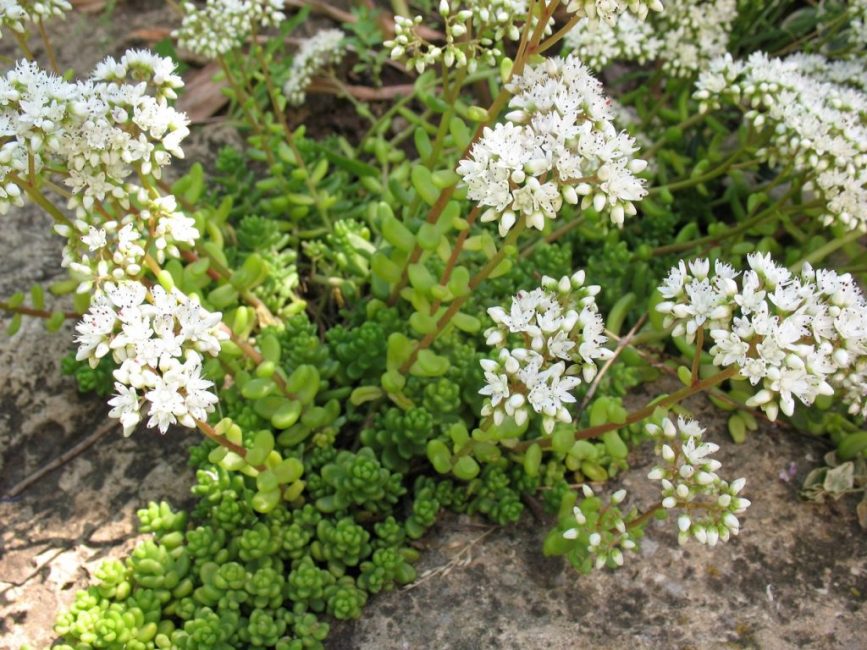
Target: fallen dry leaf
[(89, 6), (202, 96), (149, 35)]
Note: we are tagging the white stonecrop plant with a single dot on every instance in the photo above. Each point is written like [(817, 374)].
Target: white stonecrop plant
[(222, 25), (558, 145), (604, 536), (95, 136), (689, 482), (610, 10), (157, 338), (695, 33), (473, 31), (15, 14), (560, 333), (814, 118), (597, 42), (323, 50), (791, 335), (685, 38), (97, 132)]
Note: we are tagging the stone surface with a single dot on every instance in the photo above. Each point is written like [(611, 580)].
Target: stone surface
[(796, 577)]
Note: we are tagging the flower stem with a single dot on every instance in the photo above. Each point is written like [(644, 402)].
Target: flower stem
[(685, 124), (290, 137), (36, 313), (728, 163), (822, 252), (457, 303), (224, 442), (641, 414), (453, 257), (21, 38), (49, 49), (696, 359), (553, 236), (498, 104), (770, 211), (37, 197), (643, 517)]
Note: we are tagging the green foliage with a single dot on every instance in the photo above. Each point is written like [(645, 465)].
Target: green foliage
[(98, 380)]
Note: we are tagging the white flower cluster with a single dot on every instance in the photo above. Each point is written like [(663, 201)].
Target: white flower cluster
[(792, 336), (694, 33), (815, 124), (602, 530), (598, 42), (141, 66), (95, 132), (556, 324), (157, 338), (100, 249), (689, 481), (610, 10), (473, 34), (846, 72), (686, 37), (559, 144), (15, 13), (322, 50), (222, 25)]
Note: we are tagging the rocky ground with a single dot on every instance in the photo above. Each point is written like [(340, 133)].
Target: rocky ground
[(795, 578)]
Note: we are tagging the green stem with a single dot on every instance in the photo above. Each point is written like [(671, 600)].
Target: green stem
[(498, 104), (36, 313), (822, 252), (290, 137), (37, 197), (637, 416), (453, 256), (451, 95), (49, 49), (211, 433), (21, 38), (643, 517), (715, 239), (685, 124), (728, 163), (457, 303), (551, 237)]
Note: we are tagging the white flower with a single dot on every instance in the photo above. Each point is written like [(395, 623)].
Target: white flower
[(693, 300), (127, 408), (166, 404), (609, 10), (792, 337), (491, 21), (564, 344), (157, 347), (98, 132), (811, 109), (222, 25), (15, 13), (686, 37), (559, 143), (599, 42), (324, 49), (688, 479), (497, 387), (94, 330)]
